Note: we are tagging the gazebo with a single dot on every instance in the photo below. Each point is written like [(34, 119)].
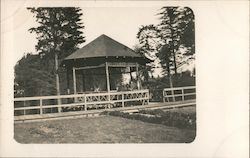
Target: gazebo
[(97, 62), (103, 56)]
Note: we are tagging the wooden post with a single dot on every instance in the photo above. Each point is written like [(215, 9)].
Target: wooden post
[(107, 77), (148, 98), (182, 94), (83, 82), (74, 82), (85, 103), (163, 95), (137, 77), (74, 79), (68, 90), (41, 108), (172, 92), (122, 99), (24, 104), (57, 82), (130, 72)]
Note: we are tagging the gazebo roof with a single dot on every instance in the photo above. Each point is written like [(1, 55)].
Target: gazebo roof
[(103, 46)]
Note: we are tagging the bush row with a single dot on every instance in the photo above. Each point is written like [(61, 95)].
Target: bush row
[(167, 118)]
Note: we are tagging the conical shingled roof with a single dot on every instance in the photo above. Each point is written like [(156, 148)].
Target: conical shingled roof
[(103, 46)]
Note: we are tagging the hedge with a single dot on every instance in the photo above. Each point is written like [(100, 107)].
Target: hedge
[(167, 118)]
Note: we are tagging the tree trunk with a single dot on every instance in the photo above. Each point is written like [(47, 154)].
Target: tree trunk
[(169, 75), (175, 67), (172, 46), (57, 81)]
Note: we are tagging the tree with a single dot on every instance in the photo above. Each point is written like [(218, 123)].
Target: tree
[(145, 72), (175, 31), (59, 28), (31, 79), (149, 43), (58, 33)]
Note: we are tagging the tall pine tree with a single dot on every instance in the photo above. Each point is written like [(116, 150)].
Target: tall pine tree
[(59, 30), (59, 34), (174, 31)]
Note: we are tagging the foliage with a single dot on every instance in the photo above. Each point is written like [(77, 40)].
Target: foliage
[(176, 119), (177, 26), (180, 120), (165, 40), (148, 39), (32, 78), (59, 31), (144, 71), (156, 85), (177, 30)]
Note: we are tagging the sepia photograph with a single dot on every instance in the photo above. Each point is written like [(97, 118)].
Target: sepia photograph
[(124, 78), (87, 82)]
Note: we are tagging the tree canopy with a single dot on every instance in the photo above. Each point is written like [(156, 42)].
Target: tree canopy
[(164, 41), (59, 33), (59, 29)]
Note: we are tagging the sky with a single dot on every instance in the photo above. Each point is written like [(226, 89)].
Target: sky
[(120, 23)]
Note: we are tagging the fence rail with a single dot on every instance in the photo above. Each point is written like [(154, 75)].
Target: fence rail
[(77, 102), (179, 94)]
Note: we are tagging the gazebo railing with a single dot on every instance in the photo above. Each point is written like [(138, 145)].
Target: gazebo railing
[(78, 102), (179, 94)]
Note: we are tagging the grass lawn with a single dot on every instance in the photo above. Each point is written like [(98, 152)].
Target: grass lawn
[(186, 110), (103, 129)]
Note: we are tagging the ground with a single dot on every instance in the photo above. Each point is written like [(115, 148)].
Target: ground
[(102, 129), (186, 110)]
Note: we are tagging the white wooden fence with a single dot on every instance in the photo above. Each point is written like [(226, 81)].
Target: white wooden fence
[(179, 94), (48, 104)]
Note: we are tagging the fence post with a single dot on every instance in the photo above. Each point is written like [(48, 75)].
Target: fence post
[(163, 95), (59, 103), (41, 106), (24, 106), (147, 97), (109, 102), (122, 99), (172, 93), (182, 90), (85, 103)]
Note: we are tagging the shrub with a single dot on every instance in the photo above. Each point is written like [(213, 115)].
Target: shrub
[(167, 118)]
